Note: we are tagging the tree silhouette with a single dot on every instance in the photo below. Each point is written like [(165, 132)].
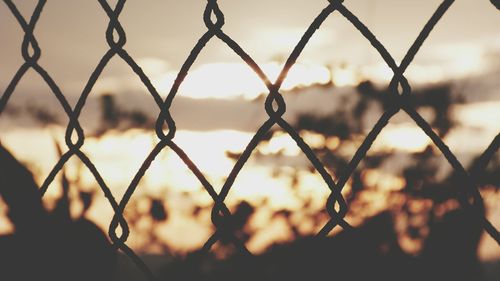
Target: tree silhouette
[(48, 245)]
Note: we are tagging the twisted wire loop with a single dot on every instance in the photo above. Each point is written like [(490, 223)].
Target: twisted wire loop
[(274, 105)]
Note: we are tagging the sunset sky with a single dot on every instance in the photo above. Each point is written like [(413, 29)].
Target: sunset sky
[(161, 34), (219, 100)]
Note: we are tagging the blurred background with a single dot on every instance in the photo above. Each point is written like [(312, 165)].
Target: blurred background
[(334, 95)]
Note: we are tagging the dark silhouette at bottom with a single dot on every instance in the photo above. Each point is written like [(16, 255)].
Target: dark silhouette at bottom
[(47, 245), (370, 252), (53, 246)]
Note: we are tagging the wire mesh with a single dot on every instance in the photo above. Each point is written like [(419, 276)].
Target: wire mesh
[(275, 107)]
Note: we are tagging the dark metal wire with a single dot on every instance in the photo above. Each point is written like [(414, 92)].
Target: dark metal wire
[(274, 105)]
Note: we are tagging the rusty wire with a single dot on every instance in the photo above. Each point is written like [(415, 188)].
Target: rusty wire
[(275, 107)]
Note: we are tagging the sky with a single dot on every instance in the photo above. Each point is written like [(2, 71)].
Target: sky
[(161, 34)]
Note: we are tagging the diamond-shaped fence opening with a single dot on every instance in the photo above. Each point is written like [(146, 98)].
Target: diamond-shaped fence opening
[(397, 99)]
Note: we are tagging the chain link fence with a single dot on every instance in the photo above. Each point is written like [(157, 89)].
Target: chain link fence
[(398, 98)]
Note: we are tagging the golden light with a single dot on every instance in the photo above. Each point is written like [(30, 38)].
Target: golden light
[(314, 140), (407, 137), (208, 149), (345, 76), (280, 143), (383, 181), (484, 115), (117, 168), (238, 80)]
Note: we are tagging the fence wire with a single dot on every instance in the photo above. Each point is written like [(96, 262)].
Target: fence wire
[(398, 97)]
